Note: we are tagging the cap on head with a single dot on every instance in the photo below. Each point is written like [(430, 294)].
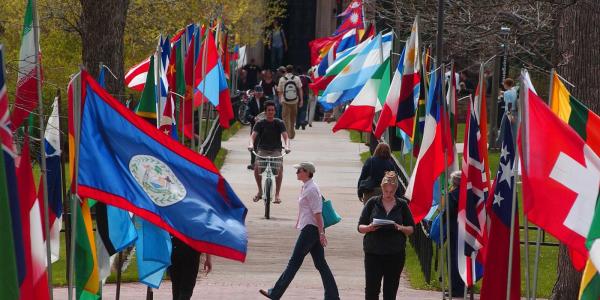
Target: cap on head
[(306, 165)]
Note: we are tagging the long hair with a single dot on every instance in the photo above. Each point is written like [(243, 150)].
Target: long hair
[(382, 151)]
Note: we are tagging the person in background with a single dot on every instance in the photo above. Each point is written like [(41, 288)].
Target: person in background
[(253, 73), (242, 81), (301, 118), (255, 107), (277, 44), (510, 108), (278, 75), (268, 84), (311, 239), (385, 241), (312, 107), (185, 263), (291, 97), (458, 286), (373, 171)]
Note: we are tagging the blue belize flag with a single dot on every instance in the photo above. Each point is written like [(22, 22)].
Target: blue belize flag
[(126, 162)]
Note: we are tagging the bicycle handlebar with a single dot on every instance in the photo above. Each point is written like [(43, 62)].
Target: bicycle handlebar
[(284, 153)]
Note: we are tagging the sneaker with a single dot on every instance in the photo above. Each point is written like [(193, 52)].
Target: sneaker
[(265, 293), (250, 167)]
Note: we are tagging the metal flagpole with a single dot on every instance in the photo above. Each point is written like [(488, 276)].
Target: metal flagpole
[(512, 219), (157, 89), (446, 197), (38, 67), (192, 87), (74, 198), (526, 223)]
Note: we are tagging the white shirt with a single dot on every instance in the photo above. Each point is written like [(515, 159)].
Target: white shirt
[(309, 203)]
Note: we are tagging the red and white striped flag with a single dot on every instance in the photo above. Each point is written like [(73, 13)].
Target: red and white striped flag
[(135, 78)]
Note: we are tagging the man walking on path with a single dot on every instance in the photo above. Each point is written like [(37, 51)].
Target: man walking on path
[(290, 96), (311, 239)]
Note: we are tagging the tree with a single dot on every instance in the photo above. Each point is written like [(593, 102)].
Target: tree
[(576, 58)]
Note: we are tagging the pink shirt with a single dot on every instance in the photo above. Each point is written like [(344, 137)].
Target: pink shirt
[(309, 204)]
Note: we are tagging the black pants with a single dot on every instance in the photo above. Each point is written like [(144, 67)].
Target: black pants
[(387, 267), (183, 271)]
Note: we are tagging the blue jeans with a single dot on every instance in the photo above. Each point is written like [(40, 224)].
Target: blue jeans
[(276, 57), (308, 242)]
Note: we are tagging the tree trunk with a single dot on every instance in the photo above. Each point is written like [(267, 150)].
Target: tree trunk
[(102, 30), (577, 52)]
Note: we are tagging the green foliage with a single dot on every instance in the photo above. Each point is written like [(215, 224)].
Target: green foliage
[(229, 132)]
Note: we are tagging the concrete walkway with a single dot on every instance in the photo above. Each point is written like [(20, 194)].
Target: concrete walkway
[(270, 242)]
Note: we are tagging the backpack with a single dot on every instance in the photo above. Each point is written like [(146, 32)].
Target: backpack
[(290, 90)]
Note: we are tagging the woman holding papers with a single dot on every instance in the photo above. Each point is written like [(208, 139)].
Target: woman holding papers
[(386, 222)]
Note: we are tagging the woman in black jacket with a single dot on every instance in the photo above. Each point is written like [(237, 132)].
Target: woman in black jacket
[(386, 222), (373, 171)]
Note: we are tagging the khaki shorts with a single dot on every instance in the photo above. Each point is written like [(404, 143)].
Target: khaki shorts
[(276, 163)]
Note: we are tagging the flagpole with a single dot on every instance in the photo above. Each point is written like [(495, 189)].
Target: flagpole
[(43, 170), (538, 239), (76, 124), (192, 87), (524, 136), (446, 197), (201, 111), (157, 80), (512, 220)]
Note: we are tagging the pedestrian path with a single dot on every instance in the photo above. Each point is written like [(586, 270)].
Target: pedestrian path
[(271, 241)]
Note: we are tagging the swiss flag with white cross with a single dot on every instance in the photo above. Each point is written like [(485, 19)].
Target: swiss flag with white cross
[(561, 176)]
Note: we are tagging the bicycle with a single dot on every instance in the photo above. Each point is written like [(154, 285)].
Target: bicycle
[(243, 108), (268, 164)]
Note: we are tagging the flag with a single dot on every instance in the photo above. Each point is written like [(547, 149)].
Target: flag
[(353, 18), (350, 80), (590, 282), (474, 188), (9, 152), (399, 108), (419, 126), (26, 97), (127, 163), (318, 48), (163, 71), (211, 83), (560, 186), (242, 58), (54, 181), (500, 205), (135, 78), (87, 277), (153, 253), (146, 107), (452, 104), (360, 113), (35, 285), (430, 162), (353, 6), (349, 40), (368, 33), (584, 121), (10, 276)]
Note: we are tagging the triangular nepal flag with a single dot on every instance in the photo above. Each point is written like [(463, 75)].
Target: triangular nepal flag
[(35, 285), (354, 19), (560, 179), (135, 167), (26, 97), (135, 78), (212, 86), (360, 113), (430, 163)]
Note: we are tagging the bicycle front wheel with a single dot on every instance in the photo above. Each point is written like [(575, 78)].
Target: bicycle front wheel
[(242, 114), (268, 188)]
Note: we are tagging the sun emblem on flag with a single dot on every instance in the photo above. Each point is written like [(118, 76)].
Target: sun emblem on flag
[(354, 4), (354, 18), (157, 180)]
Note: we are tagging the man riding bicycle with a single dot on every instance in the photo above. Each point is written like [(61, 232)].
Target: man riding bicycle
[(267, 135)]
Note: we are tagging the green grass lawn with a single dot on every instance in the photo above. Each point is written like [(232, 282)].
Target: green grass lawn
[(548, 254)]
